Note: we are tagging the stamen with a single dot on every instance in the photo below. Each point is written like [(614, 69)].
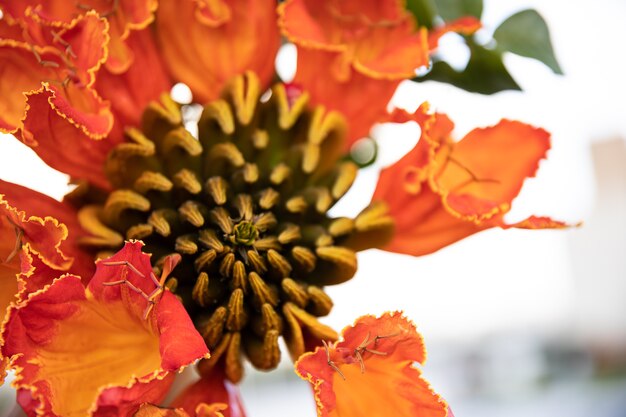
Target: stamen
[(295, 292), (305, 257), (310, 158), (188, 180), (265, 221), (149, 180), (257, 262), (268, 198), (209, 238), (239, 276), (220, 217), (227, 264), (243, 204), (296, 204), (267, 243), (121, 200), (290, 234), (261, 291), (216, 187), (345, 178), (260, 139), (280, 173), (200, 291), (191, 212), (341, 226), (227, 151), (219, 111), (215, 326), (237, 316), (331, 363), (321, 303), (182, 139), (279, 262), (159, 220), (186, 245), (139, 231), (205, 259), (250, 173)]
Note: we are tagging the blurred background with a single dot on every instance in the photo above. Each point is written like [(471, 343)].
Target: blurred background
[(516, 323)]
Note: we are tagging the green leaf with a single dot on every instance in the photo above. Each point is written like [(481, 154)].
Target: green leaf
[(453, 9), (423, 10), (485, 73), (526, 34)]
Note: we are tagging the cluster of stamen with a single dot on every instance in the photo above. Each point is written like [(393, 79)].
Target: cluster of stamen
[(245, 206)]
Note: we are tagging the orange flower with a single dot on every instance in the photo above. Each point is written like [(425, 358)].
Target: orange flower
[(372, 372), (207, 42), (451, 190), (123, 348)]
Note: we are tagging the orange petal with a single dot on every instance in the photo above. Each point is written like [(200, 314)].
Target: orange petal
[(68, 339), (40, 205), (371, 372), (353, 54), (149, 410), (213, 388), (465, 25), (450, 190), (485, 171), (52, 124), (131, 91), (205, 43)]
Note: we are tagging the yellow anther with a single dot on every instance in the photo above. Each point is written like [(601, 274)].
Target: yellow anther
[(149, 180), (205, 259), (279, 262), (190, 212), (341, 226), (186, 245), (267, 243), (209, 238), (290, 234), (200, 292), (226, 266), (215, 326), (219, 111), (188, 180), (257, 262), (295, 293), (250, 173), (227, 151), (280, 173), (183, 139), (220, 217), (139, 231), (260, 139), (265, 221), (268, 198), (120, 200), (345, 177), (296, 204), (99, 234), (245, 90), (310, 157), (373, 217), (237, 317), (216, 187), (261, 291), (243, 204), (305, 257), (320, 302)]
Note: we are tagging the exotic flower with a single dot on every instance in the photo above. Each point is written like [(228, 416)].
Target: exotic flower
[(233, 204)]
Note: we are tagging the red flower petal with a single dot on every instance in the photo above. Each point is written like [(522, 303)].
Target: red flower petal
[(212, 388), (66, 341), (372, 372)]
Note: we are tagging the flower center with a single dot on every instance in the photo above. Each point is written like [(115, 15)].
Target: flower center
[(245, 204)]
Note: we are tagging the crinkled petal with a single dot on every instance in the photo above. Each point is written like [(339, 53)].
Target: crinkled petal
[(66, 341), (212, 388), (52, 124), (42, 206), (353, 54), (442, 191), (206, 43), (372, 372), (203, 410)]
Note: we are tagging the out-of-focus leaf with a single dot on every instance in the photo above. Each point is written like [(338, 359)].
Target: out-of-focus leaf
[(526, 33), (485, 73), (453, 9), (423, 10)]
